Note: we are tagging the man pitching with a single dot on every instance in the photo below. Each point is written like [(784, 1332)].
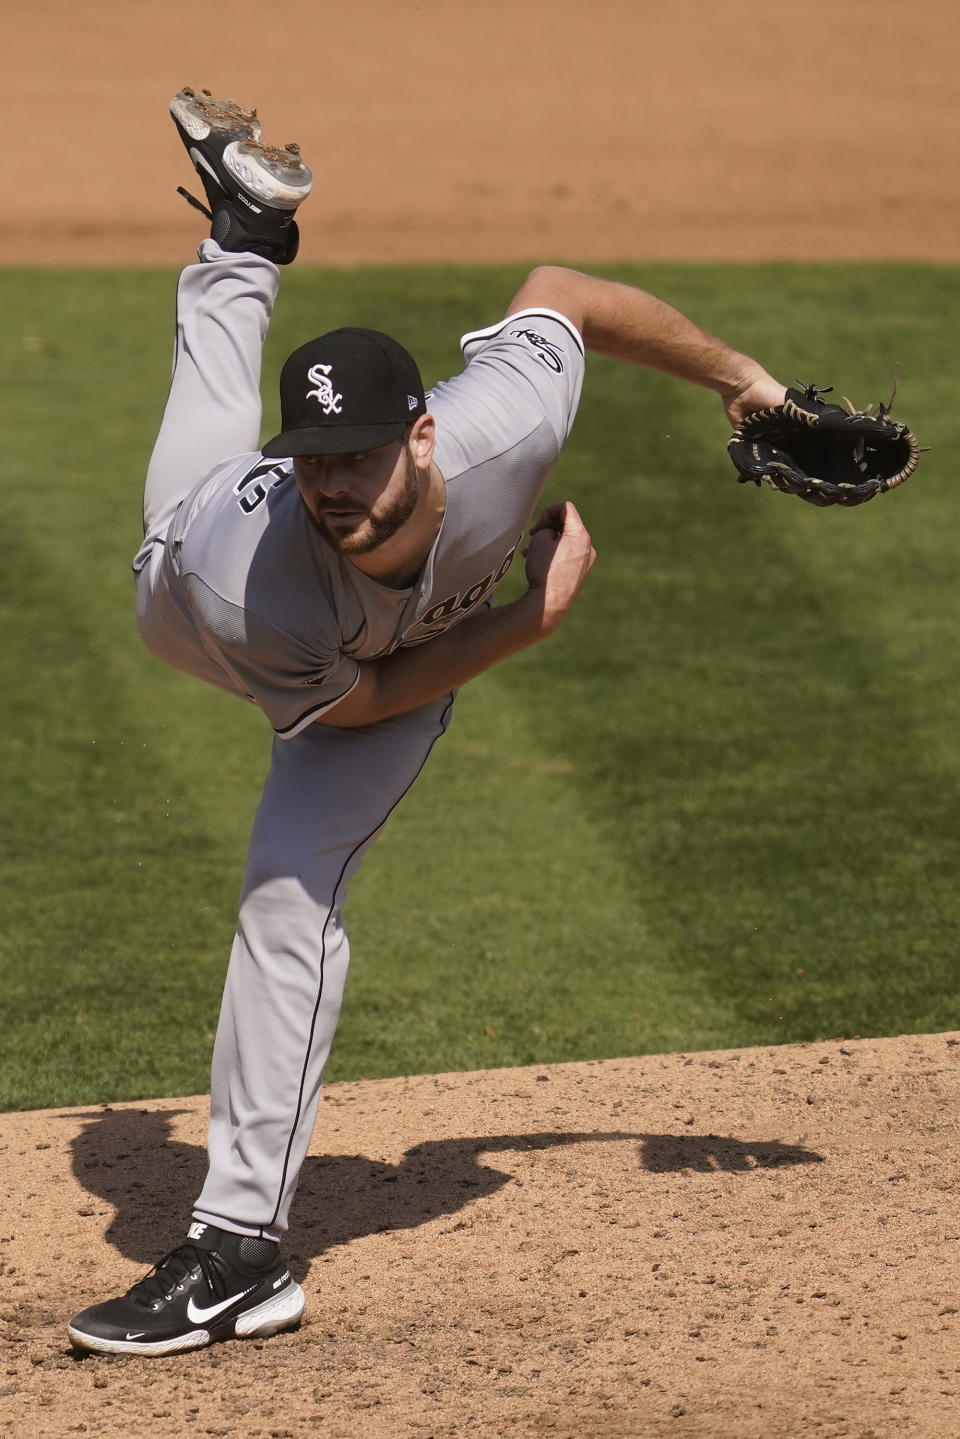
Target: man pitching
[(340, 579)]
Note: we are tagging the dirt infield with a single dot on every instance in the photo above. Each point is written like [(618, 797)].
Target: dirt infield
[(747, 1244), (763, 1243), (538, 129)]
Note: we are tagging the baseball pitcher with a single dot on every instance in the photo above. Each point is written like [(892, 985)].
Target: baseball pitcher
[(342, 580)]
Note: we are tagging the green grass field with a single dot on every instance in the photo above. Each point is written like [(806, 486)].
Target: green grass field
[(719, 808)]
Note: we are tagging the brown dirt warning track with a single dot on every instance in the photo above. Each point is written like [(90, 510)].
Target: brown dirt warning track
[(749, 1244), (533, 129)]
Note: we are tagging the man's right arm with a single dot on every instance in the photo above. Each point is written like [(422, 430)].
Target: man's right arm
[(559, 558)]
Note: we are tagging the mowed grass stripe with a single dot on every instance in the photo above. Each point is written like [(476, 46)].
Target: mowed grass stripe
[(118, 881), (109, 891), (777, 782), (494, 918), (734, 762)]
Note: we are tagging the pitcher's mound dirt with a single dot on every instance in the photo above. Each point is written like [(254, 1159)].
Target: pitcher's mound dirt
[(747, 1243)]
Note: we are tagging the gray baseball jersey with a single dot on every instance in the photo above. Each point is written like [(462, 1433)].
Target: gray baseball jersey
[(250, 597)]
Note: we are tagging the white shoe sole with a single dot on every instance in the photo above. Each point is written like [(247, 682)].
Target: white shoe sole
[(190, 113), (260, 182), (272, 1315), (196, 1339), (282, 1311)]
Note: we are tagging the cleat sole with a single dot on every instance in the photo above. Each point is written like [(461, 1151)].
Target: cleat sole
[(198, 116), (278, 178), (281, 1312), (93, 1344)]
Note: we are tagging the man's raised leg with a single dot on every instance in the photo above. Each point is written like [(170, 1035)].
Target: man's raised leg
[(213, 407), (224, 303)]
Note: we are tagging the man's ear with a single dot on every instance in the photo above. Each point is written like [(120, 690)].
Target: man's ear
[(421, 440)]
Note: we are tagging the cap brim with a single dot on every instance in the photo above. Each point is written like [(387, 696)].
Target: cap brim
[(333, 439)]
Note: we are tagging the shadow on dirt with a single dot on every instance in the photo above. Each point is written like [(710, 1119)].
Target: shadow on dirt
[(707, 1153), (128, 1158)]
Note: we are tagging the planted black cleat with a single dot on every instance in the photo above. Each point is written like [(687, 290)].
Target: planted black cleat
[(252, 189), (216, 1285)]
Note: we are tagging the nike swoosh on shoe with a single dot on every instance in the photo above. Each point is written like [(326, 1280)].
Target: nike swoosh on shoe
[(200, 1316), (200, 161)]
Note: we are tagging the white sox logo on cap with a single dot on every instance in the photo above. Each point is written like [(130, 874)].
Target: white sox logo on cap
[(319, 375)]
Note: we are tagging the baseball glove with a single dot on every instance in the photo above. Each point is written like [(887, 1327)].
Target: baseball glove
[(826, 454)]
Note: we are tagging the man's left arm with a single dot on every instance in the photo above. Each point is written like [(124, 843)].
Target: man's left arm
[(629, 324)]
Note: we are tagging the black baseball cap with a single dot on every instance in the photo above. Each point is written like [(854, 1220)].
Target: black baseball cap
[(347, 391)]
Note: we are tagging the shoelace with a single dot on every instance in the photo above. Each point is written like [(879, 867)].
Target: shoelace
[(171, 1269), (197, 204)]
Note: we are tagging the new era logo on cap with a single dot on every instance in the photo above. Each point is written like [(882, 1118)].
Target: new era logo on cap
[(349, 390)]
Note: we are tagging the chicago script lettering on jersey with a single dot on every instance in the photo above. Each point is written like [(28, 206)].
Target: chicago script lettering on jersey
[(449, 611)]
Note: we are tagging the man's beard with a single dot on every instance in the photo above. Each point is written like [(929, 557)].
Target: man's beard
[(377, 526)]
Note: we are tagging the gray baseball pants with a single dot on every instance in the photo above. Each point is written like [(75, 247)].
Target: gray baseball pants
[(328, 794)]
